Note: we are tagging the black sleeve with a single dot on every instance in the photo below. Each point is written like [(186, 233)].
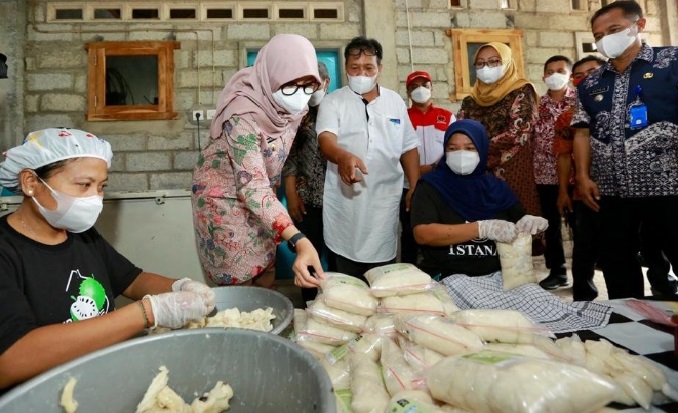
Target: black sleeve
[(121, 271), (424, 205), (16, 316)]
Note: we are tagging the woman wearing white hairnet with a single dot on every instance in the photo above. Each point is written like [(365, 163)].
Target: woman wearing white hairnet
[(58, 276)]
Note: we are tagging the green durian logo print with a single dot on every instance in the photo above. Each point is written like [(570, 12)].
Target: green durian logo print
[(91, 300)]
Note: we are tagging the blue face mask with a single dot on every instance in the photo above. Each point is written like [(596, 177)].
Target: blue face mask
[(73, 214)]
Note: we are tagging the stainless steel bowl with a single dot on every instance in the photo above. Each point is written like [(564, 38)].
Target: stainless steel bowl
[(268, 374), (250, 298)]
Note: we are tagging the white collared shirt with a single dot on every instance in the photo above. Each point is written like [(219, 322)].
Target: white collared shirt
[(361, 221)]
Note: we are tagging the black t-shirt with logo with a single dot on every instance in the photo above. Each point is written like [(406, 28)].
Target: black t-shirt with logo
[(49, 284), (474, 258)]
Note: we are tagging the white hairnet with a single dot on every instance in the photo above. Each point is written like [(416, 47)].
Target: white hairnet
[(47, 146)]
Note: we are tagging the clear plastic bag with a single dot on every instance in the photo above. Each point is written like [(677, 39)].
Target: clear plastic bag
[(504, 326), (434, 301), (516, 262), (419, 357), (398, 374), (492, 382), (369, 394), (439, 334), (325, 333), (397, 279), (381, 324), (336, 317), (367, 344), (348, 293)]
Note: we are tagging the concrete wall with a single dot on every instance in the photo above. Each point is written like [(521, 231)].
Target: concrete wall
[(549, 28), (48, 84), (12, 32), (149, 155)]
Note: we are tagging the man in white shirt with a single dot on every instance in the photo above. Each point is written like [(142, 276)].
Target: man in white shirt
[(366, 135)]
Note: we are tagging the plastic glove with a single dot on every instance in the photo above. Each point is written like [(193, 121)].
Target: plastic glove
[(175, 309), (497, 230), (532, 224), (186, 284)]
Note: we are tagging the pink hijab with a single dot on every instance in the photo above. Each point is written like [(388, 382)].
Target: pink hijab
[(284, 58)]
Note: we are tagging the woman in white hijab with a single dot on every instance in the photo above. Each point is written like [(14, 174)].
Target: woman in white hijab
[(58, 276)]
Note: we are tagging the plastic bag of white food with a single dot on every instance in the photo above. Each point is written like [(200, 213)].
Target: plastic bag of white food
[(367, 344), (439, 334), (504, 326), (348, 293), (381, 323), (398, 374), (307, 341), (397, 279), (334, 316), (369, 394), (516, 262), (338, 372), (434, 301), (325, 333), (498, 382), (417, 356)]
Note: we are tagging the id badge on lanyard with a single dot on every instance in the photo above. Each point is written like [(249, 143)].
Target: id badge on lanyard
[(638, 111)]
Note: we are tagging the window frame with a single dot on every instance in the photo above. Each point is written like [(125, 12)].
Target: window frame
[(463, 62), (97, 110)]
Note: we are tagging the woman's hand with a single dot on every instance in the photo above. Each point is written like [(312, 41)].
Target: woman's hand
[(207, 294), (295, 206), (497, 230), (175, 309), (307, 257), (532, 225)]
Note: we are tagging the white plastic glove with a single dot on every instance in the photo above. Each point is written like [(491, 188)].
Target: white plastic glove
[(175, 309), (532, 224), (186, 284), (497, 230)]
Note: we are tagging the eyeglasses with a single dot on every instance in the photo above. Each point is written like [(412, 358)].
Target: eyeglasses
[(357, 52), (308, 88), (489, 63)]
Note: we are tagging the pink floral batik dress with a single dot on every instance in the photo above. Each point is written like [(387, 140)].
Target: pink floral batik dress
[(237, 217)]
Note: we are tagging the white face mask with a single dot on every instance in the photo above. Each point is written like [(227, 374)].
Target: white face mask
[(462, 162), (490, 75), (362, 84), (613, 45), (316, 97), (421, 94), (294, 103), (557, 81), (72, 213)]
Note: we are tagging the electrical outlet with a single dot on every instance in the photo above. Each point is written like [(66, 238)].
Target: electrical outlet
[(198, 115), (211, 113)]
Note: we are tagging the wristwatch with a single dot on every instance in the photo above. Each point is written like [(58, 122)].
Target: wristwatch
[(292, 242)]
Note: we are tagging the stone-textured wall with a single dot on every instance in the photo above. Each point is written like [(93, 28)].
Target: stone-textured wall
[(549, 28), (150, 155), (48, 64), (12, 24)]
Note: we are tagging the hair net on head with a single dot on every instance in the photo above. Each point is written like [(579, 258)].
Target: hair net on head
[(51, 145)]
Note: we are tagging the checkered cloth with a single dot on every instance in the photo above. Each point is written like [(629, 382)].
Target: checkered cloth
[(540, 306)]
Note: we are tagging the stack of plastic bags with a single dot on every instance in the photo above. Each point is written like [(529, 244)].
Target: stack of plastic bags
[(401, 345)]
